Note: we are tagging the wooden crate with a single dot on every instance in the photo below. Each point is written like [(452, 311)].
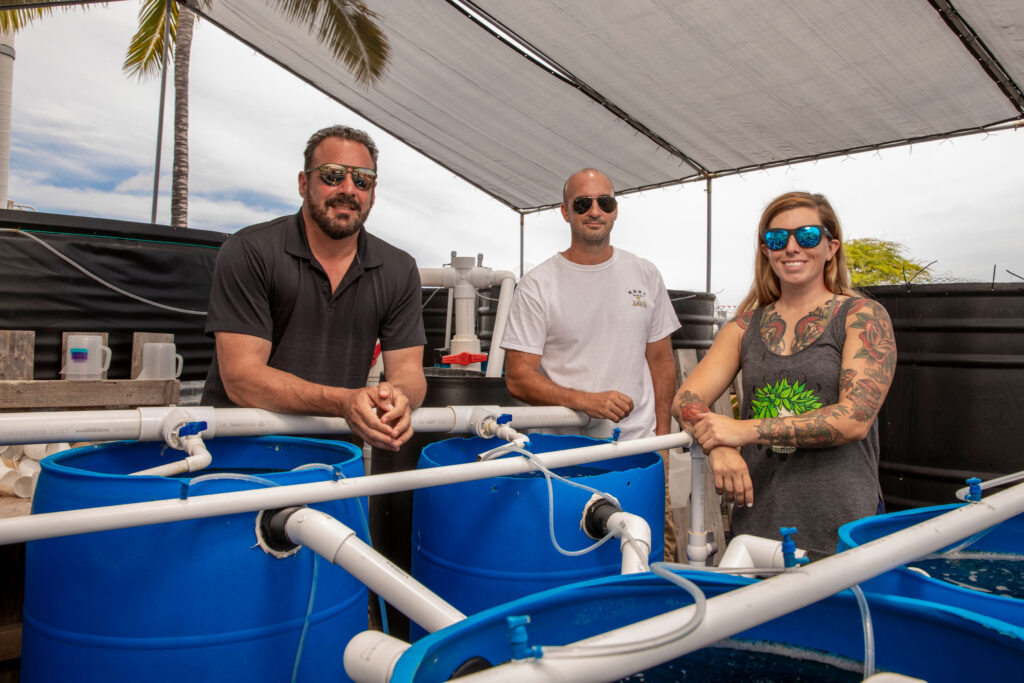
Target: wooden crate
[(18, 391)]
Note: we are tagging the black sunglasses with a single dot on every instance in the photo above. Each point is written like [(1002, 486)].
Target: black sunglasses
[(807, 236), (334, 174), (582, 204)]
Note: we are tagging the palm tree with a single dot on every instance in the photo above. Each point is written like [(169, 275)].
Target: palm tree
[(347, 28)]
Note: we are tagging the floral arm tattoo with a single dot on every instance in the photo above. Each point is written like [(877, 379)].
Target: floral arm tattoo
[(862, 388), (687, 407)]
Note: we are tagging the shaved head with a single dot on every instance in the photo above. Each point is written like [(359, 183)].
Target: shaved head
[(577, 178)]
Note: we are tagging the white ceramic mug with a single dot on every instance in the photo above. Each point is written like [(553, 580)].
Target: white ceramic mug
[(159, 361), (86, 357)]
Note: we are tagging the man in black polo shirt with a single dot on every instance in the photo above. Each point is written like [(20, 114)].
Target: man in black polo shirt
[(297, 304)]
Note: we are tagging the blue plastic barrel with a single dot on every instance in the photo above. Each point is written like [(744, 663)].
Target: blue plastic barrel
[(997, 552), (482, 543), (912, 637), (195, 600)]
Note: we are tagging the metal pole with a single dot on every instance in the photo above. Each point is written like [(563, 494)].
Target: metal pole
[(522, 226), (708, 266), (160, 119)]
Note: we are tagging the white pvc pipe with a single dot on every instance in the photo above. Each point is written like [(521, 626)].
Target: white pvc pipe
[(433, 277), (463, 278), (542, 417), (339, 544), (961, 494), (496, 358), (505, 433), (698, 550), (752, 605), (754, 551), (198, 458), (52, 524), (74, 425), (150, 424), (629, 529), (448, 320), (465, 315), (370, 656)]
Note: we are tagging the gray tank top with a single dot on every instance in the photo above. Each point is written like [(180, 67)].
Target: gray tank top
[(814, 489)]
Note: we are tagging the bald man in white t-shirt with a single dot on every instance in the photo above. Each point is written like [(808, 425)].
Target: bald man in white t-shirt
[(590, 328)]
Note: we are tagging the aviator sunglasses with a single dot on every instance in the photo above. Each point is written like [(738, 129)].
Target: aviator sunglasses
[(582, 204), (334, 174), (807, 236)]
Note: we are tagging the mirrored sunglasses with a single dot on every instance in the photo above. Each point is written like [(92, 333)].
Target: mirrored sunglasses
[(606, 202), (334, 174), (807, 236)]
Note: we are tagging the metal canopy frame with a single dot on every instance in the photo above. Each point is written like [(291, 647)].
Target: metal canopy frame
[(440, 97)]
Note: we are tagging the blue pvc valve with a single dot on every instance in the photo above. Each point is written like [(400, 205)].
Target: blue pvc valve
[(191, 429), (518, 638), (504, 419), (789, 548), (974, 492)]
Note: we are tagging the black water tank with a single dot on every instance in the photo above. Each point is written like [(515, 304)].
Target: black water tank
[(957, 397), (435, 310), (42, 292), (696, 313)]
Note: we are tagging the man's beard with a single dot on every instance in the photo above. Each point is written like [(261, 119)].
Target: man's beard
[(589, 236), (331, 227)]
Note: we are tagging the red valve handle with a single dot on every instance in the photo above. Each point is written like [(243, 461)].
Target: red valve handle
[(464, 358)]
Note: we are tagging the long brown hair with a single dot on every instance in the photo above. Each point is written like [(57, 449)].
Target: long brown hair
[(765, 288)]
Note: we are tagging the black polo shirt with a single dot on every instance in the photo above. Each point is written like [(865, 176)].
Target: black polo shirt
[(267, 284)]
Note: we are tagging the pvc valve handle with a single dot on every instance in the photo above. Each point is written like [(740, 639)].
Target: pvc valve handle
[(464, 358), (517, 637), (789, 557)]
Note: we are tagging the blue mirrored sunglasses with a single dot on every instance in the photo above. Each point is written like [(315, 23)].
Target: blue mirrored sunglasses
[(807, 236)]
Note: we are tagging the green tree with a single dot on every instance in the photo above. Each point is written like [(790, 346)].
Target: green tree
[(880, 262), (347, 28), (12, 20)]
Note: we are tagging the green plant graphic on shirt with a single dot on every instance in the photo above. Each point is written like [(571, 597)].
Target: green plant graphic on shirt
[(783, 399)]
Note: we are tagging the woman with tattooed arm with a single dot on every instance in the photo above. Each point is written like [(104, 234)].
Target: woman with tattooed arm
[(817, 361)]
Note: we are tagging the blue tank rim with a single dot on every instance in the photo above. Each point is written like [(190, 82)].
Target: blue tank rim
[(846, 530), (407, 665), (847, 541), (56, 462)]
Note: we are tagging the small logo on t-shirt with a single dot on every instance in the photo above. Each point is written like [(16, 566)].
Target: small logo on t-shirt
[(639, 297)]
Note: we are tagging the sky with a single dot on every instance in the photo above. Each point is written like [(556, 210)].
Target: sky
[(84, 136)]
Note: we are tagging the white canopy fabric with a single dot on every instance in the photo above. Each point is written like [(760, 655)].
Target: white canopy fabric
[(515, 96)]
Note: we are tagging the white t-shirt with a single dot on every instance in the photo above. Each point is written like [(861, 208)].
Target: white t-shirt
[(591, 325)]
